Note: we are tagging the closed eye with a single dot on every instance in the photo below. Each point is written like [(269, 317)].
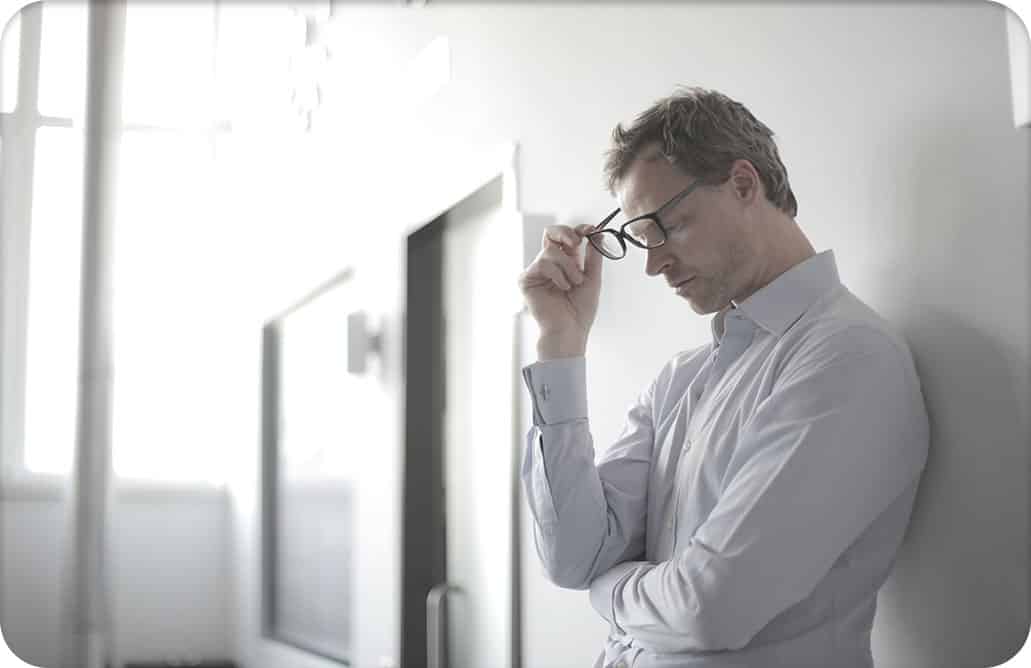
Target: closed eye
[(680, 223)]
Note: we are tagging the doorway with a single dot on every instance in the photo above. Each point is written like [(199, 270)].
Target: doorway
[(459, 487)]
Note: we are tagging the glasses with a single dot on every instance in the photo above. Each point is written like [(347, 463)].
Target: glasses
[(644, 231)]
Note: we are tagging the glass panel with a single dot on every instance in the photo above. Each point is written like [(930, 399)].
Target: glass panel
[(10, 45), (169, 64), (62, 64), (315, 500), (477, 384), (52, 348), (165, 423)]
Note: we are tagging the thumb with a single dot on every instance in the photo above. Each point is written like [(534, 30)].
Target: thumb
[(593, 260)]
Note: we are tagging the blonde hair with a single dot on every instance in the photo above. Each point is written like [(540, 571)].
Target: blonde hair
[(702, 132)]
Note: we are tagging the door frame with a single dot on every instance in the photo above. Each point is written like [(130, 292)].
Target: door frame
[(440, 194)]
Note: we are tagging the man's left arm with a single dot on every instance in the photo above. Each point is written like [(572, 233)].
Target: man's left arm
[(839, 438)]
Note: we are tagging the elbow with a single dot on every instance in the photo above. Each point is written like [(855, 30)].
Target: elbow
[(717, 618), (717, 635), (704, 630), (570, 560), (567, 577), (561, 567), (570, 582)]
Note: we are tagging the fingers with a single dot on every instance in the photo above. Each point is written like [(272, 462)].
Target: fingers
[(563, 237), (545, 271), (592, 258), (559, 260), (563, 270), (553, 272), (552, 267), (567, 240), (570, 265)]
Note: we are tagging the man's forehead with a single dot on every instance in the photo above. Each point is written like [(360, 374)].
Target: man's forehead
[(647, 183)]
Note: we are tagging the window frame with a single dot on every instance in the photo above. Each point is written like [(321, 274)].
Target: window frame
[(17, 172), (19, 149)]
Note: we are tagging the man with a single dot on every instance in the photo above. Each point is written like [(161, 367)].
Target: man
[(761, 486)]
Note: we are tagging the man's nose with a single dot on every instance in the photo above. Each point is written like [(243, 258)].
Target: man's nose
[(657, 261)]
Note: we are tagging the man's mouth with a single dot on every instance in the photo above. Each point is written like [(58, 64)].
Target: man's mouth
[(682, 287)]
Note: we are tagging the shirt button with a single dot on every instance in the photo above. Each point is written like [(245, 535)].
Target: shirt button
[(545, 392)]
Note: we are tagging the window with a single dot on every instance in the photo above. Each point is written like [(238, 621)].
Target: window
[(42, 213), (62, 61), (11, 43), (165, 419), (52, 341)]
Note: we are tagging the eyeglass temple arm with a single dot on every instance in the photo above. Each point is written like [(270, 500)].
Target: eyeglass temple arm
[(676, 198), (600, 226)]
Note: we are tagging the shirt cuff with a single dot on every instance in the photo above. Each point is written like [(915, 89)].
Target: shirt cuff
[(558, 389), (603, 591)]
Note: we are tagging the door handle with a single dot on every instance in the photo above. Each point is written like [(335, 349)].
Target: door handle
[(436, 624)]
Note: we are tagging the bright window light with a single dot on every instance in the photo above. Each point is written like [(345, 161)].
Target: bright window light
[(62, 60), (169, 64), (52, 355), (255, 43), (10, 46), (166, 411)]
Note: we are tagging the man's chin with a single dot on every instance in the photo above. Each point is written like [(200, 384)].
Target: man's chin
[(700, 301), (700, 309)]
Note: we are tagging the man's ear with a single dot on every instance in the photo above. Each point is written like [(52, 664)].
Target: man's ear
[(744, 182)]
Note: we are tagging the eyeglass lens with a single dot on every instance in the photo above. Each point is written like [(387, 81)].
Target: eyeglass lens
[(646, 232), (608, 243)]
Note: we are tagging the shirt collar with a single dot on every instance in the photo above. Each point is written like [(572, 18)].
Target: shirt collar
[(780, 303)]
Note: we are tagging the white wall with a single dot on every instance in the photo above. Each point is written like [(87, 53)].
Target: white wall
[(895, 124), (171, 586)]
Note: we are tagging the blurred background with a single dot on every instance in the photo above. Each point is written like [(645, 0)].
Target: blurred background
[(260, 401)]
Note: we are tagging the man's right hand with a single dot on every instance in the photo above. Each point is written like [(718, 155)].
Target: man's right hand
[(561, 291)]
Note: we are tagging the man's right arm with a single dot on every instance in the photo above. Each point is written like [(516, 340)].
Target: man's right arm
[(587, 517)]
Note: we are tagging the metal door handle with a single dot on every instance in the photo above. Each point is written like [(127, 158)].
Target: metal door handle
[(436, 625)]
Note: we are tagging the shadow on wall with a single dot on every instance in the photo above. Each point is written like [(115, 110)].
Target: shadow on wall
[(959, 595), (959, 592)]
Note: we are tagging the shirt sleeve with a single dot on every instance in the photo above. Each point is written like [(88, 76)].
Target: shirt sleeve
[(837, 440), (587, 517)]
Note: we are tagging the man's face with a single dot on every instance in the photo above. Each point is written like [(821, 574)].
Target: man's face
[(708, 257)]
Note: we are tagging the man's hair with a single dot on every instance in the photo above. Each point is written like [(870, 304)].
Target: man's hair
[(702, 132)]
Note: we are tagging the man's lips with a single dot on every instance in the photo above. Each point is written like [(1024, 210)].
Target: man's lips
[(677, 285)]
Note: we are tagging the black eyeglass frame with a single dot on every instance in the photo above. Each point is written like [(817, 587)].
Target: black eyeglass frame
[(621, 234)]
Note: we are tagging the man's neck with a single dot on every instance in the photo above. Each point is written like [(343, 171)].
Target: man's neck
[(787, 247)]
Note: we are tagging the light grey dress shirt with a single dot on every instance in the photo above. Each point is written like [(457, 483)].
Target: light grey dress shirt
[(757, 495)]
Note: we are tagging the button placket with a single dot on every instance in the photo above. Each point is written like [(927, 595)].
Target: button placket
[(678, 485)]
